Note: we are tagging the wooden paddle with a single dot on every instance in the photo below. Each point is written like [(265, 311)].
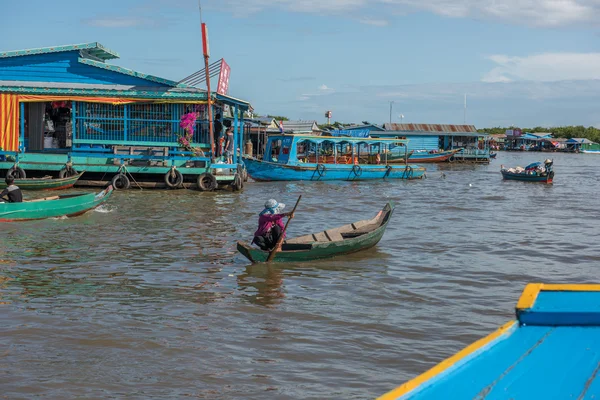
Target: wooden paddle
[(280, 240)]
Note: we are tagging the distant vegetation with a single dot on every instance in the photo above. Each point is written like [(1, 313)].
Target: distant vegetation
[(567, 132), (278, 118)]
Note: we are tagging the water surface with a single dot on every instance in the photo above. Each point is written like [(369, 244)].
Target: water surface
[(148, 298)]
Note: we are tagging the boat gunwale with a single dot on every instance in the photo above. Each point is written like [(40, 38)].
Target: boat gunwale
[(385, 216), (433, 375)]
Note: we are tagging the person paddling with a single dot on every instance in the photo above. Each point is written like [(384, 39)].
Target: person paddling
[(12, 193), (270, 225)]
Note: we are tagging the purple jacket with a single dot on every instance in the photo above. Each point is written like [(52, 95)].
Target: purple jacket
[(267, 221)]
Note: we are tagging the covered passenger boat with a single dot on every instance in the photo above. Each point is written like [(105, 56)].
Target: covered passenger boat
[(346, 239), (321, 158), (68, 205), (534, 172), (551, 351)]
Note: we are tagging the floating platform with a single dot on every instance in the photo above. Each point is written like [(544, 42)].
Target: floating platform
[(551, 351)]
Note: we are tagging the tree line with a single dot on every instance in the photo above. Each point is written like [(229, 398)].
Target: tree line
[(566, 132)]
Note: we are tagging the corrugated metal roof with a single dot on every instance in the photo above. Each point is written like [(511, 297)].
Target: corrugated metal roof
[(297, 127), (94, 49), (434, 128)]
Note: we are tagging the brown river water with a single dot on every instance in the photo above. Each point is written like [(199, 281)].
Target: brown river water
[(147, 298)]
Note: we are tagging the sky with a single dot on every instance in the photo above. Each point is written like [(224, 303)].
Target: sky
[(523, 63)]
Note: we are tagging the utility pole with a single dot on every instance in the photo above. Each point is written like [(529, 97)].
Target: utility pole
[(465, 114)]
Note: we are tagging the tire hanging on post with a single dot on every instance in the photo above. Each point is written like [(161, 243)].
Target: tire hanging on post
[(206, 182), (173, 179), (16, 172), (120, 182), (67, 171)]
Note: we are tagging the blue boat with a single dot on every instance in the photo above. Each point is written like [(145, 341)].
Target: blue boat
[(534, 172), (324, 158), (551, 351)]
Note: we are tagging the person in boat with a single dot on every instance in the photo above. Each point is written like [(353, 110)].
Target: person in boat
[(12, 193), (270, 225)]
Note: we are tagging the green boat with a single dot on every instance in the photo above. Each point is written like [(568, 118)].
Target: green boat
[(346, 239), (68, 205), (45, 183)]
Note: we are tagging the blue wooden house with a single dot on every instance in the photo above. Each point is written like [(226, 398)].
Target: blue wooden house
[(66, 108)]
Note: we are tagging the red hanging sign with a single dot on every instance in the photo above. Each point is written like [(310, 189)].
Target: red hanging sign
[(223, 85)]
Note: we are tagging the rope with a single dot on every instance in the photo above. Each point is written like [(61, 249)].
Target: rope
[(123, 167)]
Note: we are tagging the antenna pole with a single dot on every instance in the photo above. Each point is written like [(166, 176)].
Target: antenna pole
[(205, 50), (465, 113)]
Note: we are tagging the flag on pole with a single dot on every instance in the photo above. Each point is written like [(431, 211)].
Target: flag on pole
[(205, 48)]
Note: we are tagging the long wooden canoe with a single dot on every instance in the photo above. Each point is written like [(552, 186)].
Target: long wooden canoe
[(550, 351), (68, 205), (346, 239), (45, 183)]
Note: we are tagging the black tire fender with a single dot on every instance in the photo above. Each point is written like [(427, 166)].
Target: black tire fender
[(120, 182), (173, 179), (206, 182), (16, 172)]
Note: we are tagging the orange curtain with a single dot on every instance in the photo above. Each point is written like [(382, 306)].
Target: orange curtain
[(9, 122), (105, 100)]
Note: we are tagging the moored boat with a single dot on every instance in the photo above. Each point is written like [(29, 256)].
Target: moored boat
[(432, 157), (45, 183), (551, 351), (535, 172), (321, 158), (68, 205), (346, 239)]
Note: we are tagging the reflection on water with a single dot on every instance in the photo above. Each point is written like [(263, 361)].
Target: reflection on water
[(148, 298)]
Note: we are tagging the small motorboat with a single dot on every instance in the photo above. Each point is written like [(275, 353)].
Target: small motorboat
[(346, 239), (45, 183), (68, 205), (535, 172)]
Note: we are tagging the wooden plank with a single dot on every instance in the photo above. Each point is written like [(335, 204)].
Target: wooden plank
[(334, 235), (320, 237), (359, 224)]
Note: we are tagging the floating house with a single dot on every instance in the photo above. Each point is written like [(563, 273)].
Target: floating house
[(65, 108), (516, 140), (433, 137)]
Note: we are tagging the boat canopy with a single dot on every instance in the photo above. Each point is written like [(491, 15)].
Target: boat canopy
[(294, 149), (345, 140)]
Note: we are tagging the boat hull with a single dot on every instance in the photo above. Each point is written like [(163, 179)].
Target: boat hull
[(510, 176), (550, 351), (320, 250), (45, 183), (267, 171), (442, 156), (69, 206)]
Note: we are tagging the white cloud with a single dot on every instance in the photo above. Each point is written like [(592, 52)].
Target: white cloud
[(528, 12), (545, 67), (118, 22), (374, 21), (324, 88)]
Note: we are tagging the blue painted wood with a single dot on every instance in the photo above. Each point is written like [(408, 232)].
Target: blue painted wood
[(235, 134), (563, 308), (533, 362), (269, 171), (64, 67)]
